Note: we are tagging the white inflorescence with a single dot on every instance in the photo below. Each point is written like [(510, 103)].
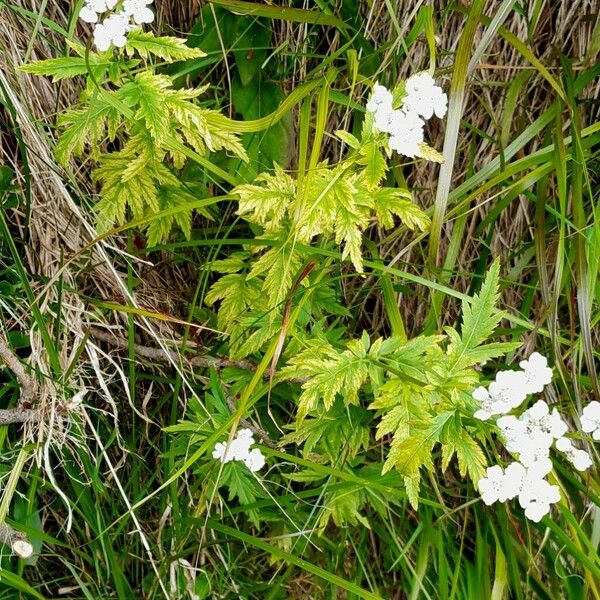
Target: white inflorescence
[(239, 449), (529, 437), (405, 125), (590, 419), (112, 31)]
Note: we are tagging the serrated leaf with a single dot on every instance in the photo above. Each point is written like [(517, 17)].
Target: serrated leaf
[(350, 220), (240, 483), (411, 453), (222, 139), (348, 138), (68, 66), (343, 507), (429, 153), (85, 126), (375, 164), (232, 264), (329, 373), (279, 265), (412, 486), (147, 92), (394, 201), (232, 290), (480, 319), (170, 49), (471, 459), (267, 204)]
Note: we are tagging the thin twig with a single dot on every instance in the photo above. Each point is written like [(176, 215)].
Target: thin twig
[(27, 382), (19, 415), (157, 354), (258, 431), (16, 540), (203, 362)]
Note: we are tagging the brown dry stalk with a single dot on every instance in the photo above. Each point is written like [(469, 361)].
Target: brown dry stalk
[(27, 382), (19, 415), (16, 541), (159, 355), (204, 362)]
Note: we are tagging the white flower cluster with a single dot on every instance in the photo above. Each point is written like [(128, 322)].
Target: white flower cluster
[(405, 125), (113, 29), (590, 419), (530, 437), (535, 493), (510, 388), (239, 449)]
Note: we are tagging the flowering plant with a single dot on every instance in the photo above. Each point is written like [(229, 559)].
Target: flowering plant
[(274, 299)]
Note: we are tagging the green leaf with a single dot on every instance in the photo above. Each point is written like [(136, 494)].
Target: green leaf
[(412, 485), (267, 204), (147, 92), (411, 453), (429, 153), (348, 138), (480, 318), (374, 162), (350, 220), (279, 265), (235, 293), (253, 41), (343, 507), (170, 49), (86, 126), (330, 372), (340, 427), (394, 201), (68, 66), (170, 196), (471, 459), (241, 484)]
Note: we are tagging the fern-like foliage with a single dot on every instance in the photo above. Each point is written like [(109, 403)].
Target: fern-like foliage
[(334, 203), (148, 121), (419, 389)]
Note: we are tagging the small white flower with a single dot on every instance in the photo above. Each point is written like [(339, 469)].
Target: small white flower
[(245, 433), (536, 496), (88, 14), (537, 373), (424, 97), (514, 432), (539, 417), (580, 459), (111, 31), (537, 461), (514, 476), (590, 419), (255, 460), (239, 449), (486, 410), (406, 133), (222, 452), (491, 487), (380, 100), (138, 9), (564, 444), (101, 6), (508, 389), (499, 485), (536, 511)]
